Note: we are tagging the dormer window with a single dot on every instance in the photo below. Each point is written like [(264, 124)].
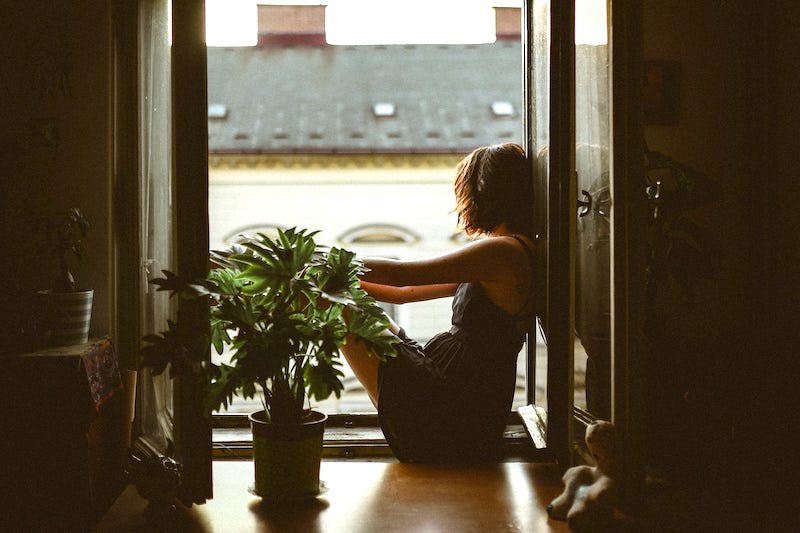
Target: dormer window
[(378, 234), (384, 109), (502, 109), (217, 111), (460, 237)]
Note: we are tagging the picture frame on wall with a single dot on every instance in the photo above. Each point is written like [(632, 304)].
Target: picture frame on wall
[(661, 93)]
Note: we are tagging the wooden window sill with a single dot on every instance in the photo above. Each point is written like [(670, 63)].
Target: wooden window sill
[(371, 496), (354, 436), (351, 443)]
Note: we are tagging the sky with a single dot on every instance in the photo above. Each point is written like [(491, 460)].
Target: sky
[(234, 23)]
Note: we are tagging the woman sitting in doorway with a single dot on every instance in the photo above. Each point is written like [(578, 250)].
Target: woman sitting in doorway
[(449, 400)]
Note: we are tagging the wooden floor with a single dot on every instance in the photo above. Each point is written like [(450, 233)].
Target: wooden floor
[(372, 497)]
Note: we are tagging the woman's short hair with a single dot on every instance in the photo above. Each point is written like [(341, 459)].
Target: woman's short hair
[(493, 186)]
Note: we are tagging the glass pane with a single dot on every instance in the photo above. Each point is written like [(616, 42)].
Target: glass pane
[(359, 142), (521, 389), (156, 216), (592, 380), (540, 124), (540, 394)]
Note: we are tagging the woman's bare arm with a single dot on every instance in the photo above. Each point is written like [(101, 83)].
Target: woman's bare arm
[(487, 260), (401, 295)]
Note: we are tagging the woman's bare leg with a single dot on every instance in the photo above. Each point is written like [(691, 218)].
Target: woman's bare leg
[(363, 364)]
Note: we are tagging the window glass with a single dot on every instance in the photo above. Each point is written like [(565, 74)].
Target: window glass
[(539, 86), (592, 379), (156, 214), (301, 143)]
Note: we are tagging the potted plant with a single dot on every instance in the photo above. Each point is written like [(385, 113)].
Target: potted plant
[(67, 309), (279, 306)]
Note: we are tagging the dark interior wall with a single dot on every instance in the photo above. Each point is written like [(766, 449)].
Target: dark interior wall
[(695, 368), (54, 138), (777, 183), (773, 421), (738, 124), (712, 43), (691, 379), (740, 80)]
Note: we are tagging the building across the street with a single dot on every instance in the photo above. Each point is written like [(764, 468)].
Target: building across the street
[(359, 142)]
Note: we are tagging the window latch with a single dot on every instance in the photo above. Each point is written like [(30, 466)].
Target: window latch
[(585, 204)]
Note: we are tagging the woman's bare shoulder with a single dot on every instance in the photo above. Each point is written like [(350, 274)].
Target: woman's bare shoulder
[(509, 245), (494, 243)]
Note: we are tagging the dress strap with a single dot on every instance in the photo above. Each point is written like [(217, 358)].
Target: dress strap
[(528, 252), (532, 261)]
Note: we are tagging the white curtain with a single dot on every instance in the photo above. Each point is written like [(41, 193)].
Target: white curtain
[(156, 208), (593, 244)]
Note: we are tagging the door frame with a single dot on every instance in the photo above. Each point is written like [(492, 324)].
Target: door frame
[(628, 225)]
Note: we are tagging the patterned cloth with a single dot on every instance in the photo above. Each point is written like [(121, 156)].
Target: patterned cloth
[(102, 370)]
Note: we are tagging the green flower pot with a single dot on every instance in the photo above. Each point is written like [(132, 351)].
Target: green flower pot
[(287, 457)]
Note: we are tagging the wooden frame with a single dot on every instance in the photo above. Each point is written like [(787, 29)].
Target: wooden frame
[(126, 258), (559, 189), (356, 436), (529, 121), (561, 229), (558, 426), (191, 429), (191, 169), (190, 137), (628, 226)]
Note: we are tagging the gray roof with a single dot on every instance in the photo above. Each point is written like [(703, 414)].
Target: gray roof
[(320, 99)]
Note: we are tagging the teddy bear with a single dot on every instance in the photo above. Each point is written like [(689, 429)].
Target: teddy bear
[(587, 503)]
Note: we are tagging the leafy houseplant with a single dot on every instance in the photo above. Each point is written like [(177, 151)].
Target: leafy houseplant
[(280, 306), (64, 234), (68, 310)]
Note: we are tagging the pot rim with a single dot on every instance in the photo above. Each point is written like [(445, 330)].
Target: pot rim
[(312, 428), (319, 418), (52, 292)]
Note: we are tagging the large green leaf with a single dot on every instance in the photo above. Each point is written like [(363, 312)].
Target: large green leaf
[(373, 333), (170, 282), (278, 305), (224, 384), (324, 379)]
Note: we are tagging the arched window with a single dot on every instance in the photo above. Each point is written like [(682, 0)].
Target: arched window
[(459, 237), (378, 234), (268, 229)]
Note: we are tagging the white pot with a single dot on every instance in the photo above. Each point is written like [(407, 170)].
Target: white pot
[(68, 316)]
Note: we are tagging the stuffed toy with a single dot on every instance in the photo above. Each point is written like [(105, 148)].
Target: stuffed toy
[(587, 503)]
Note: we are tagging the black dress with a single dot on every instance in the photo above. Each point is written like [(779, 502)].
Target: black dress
[(449, 400)]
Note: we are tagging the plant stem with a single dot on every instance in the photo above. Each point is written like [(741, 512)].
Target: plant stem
[(264, 392)]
